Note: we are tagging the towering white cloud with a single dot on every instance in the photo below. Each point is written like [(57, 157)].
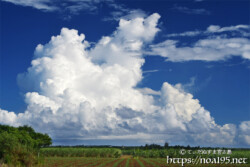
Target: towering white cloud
[(77, 92)]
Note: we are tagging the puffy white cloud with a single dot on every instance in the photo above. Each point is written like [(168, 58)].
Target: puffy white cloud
[(212, 49), (244, 132), (77, 92), (7, 117), (149, 91), (184, 104)]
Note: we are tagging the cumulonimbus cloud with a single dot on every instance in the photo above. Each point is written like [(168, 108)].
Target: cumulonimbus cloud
[(74, 91)]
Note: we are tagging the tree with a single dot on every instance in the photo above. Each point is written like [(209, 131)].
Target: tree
[(166, 145), (42, 140), (19, 146)]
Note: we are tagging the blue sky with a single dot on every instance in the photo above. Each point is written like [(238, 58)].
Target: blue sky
[(217, 75)]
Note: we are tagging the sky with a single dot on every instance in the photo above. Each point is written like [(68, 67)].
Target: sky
[(127, 72)]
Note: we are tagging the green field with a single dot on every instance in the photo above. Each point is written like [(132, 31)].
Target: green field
[(139, 152), (128, 157), (23, 147), (81, 152), (125, 157)]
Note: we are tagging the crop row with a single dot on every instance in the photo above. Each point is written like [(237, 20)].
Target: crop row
[(145, 153), (175, 153), (118, 162), (81, 152), (99, 162)]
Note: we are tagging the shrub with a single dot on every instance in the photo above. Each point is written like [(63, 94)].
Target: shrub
[(19, 146)]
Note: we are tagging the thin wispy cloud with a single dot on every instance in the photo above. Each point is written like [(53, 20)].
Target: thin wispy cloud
[(44, 5), (71, 6), (150, 71), (68, 8), (211, 49), (188, 87), (184, 34), (187, 10), (218, 29), (193, 85), (214, 44), (122, 12), (213, 29)]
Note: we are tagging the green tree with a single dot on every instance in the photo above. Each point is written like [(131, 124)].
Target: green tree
[(166, 145), (19, 146)]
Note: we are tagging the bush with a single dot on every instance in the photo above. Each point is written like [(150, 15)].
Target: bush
[(19, 146)]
